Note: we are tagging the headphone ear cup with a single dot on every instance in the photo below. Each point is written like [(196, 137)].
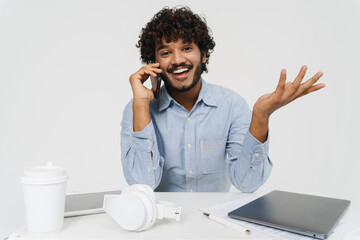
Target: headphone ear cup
[(128, 210), (136, 208), (153, 210)]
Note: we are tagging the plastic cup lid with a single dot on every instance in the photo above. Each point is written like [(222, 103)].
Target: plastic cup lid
[(41, 175)]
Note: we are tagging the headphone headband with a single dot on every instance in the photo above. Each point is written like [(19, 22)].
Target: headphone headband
[(168, 210)]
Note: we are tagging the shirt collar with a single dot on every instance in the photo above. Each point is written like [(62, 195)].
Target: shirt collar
[(205, 95)]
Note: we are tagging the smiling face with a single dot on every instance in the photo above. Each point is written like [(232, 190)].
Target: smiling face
[(181, 63)]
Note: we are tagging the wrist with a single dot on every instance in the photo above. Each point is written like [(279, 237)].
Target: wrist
[(259, 126), (141, 102), (141, 114), (260, 118)]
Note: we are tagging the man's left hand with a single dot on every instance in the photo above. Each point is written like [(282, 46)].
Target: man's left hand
[(286, 92)]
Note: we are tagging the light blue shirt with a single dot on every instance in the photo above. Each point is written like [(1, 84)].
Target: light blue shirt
[(203, 150)]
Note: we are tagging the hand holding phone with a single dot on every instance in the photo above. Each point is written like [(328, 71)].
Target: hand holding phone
[(137, 79)]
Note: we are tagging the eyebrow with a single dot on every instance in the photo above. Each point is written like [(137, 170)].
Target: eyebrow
[(162, 47), (167, 46)]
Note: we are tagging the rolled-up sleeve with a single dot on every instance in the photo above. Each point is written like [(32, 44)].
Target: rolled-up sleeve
[(140, 156)]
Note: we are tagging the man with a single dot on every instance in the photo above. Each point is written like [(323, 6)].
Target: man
[(195, 136)]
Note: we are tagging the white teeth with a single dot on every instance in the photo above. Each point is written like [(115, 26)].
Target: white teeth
[(181, 70)]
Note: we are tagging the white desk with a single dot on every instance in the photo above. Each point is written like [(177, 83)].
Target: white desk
[(193, 224)]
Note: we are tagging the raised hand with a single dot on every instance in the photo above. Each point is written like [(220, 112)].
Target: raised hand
[(137, 79), (286, 92), (142, 95)]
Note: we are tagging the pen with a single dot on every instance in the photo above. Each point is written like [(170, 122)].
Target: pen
[(230, 225)]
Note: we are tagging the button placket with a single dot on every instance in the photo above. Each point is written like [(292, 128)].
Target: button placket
[(190, 149), (187, 138)]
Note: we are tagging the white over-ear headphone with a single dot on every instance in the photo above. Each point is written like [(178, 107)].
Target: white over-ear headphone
[(136, 208)]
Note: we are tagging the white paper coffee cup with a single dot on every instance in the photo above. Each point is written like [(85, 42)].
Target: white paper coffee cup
[(44, 197)]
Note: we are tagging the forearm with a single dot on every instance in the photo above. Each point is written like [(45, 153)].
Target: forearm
[(248, 148), (250, 167), (142, 96), (141, 115), (140, 156), (141, 167)]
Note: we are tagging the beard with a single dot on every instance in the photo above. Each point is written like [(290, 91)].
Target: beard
[(171, 87)]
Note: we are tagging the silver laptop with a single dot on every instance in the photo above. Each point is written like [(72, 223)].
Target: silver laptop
[(308, 215)]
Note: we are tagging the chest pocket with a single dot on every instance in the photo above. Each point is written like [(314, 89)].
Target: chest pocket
[(212, 154)]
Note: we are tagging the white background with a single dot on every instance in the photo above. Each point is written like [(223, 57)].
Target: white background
[(64, 69)]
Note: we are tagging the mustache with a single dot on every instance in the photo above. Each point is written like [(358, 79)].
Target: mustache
[(171, 70)]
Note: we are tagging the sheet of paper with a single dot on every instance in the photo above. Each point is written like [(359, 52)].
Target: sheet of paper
[(342, 229)]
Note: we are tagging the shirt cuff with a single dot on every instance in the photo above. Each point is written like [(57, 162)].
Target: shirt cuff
[(143, 140), (257, 150)]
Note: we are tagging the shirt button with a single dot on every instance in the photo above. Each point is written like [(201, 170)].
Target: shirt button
[(256, 154), (189, 119), (147, 140), (191, 172), (190, 190), (189, 145)]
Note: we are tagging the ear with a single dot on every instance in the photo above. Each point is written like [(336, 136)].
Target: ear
[(204, 58)]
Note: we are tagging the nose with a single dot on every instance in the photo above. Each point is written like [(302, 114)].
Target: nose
[(177, 58)]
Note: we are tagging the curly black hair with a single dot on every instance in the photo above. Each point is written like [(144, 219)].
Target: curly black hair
[(173, 24)]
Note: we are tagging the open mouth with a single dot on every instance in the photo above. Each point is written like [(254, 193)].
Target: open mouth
[(181, 72)]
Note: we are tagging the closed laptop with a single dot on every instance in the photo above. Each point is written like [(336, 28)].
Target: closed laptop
[(309, 215)]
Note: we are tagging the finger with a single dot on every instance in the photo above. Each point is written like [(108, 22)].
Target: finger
[(153, 67), (281, 85), (307, 85), (154, 71), (153, 64), (312, 89), (314, 79), (294, 86), (150, 93), (301, 75), (144, 73), (157, 70), (149, 73)]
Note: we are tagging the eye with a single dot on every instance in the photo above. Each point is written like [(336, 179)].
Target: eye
[(187, 48), (165, 53)]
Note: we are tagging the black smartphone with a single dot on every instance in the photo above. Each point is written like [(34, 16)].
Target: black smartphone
[(155, 84)]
